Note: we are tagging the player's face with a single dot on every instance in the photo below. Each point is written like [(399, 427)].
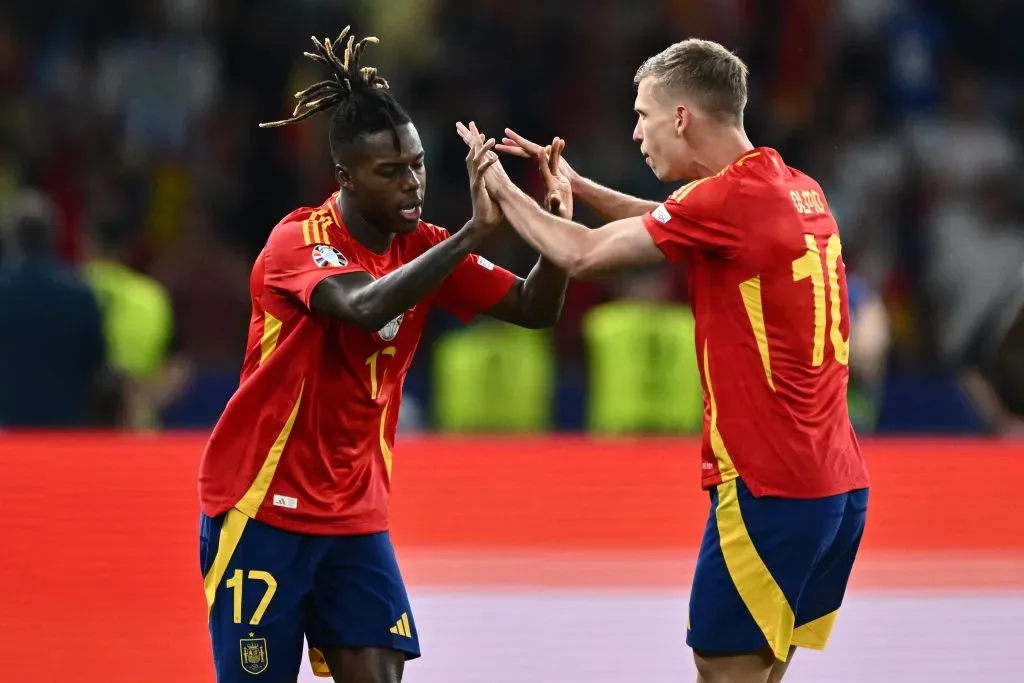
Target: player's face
[(660, 124), (387, 184)]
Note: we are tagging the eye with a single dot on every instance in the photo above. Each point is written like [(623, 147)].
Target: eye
[(417, 165)]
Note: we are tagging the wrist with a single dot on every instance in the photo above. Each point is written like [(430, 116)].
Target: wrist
[(471, 235), (500, 189), (577, 183)]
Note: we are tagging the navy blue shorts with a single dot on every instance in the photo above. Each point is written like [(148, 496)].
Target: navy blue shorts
[(267, 588), (772, 571)]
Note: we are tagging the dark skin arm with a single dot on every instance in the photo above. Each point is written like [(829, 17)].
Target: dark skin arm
[(371, 304), (536, 302)]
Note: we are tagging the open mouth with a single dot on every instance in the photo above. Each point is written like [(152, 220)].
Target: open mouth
[(411, 211)]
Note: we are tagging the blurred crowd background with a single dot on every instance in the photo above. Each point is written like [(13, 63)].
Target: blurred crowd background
[(136, 189)]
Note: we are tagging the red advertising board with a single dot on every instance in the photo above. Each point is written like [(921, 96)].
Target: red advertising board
[(99, 579)]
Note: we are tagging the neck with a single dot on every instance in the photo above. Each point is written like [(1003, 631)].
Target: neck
[(360, 228), (722, 148)]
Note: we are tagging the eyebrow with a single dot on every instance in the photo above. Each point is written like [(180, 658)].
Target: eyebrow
[(418, 157)]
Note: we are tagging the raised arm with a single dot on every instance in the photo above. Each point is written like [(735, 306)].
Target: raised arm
[(583, 253), (608, 204), (537, 301), (372, 303)]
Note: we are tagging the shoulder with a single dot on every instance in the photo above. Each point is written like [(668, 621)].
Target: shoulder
[(73, 281), (715, 188), (309, 232), (76, 288), (295, 229)]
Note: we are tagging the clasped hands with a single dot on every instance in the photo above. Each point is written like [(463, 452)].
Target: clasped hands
[(555, 171)]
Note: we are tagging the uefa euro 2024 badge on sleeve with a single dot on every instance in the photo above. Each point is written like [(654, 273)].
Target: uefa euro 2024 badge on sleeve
[(326, 256)]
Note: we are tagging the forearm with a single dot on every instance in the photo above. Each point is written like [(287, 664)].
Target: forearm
[(558, 240), (379, 302), (607, 203), (543, 294)]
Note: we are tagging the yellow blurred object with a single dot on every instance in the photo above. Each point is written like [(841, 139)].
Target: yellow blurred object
[(494, 377), (642, 369), (138, 323)]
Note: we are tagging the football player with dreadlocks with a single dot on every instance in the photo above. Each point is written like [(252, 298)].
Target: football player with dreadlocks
[(295, 478)]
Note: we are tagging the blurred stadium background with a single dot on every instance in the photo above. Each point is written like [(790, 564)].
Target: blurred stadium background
[(135, 190)]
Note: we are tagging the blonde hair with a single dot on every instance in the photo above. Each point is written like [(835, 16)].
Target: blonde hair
[(704, 70)]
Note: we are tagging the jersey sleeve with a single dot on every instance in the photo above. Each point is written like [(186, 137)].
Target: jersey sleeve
[(474, 286), (295, 265), (695, 218)]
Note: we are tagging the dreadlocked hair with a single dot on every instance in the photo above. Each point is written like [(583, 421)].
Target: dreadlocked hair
[(361, 99)]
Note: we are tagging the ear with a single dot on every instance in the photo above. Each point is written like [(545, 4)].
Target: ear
[(344, 177), (682, 120)]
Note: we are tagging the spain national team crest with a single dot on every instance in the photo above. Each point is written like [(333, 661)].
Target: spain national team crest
[(255, 659), (390, 331), (324, 255)]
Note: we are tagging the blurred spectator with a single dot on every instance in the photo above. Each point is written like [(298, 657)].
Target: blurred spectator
[(869, 353), (976, 284), (52, 354), (964, 141), (159, 78), (138, 323), (909, 112)]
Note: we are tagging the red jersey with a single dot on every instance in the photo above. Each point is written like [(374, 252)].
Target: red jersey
[(768, 289), (305, 442)]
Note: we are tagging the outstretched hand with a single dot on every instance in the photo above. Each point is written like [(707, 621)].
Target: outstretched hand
[(473, 138), (515, 144), (486, 213), (557, 187)]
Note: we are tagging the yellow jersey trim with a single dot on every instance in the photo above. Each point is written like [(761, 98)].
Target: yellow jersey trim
[(271, 333), (251, 501), (750, 291), (725, 466)]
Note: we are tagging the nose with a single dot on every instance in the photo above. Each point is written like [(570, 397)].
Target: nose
[(411, 181), (638, 133)]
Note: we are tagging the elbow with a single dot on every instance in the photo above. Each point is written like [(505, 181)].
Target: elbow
[(582, 268), (544, 319), (537, 315), (369, 320), (365, 313)]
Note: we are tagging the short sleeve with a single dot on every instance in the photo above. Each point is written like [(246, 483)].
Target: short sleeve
[(294, 266), (695, 218), (475, 285)]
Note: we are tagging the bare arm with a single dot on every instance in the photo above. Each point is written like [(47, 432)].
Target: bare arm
[(608, 204), (535, 302), (583, 253), (371, 304), (358, 298)]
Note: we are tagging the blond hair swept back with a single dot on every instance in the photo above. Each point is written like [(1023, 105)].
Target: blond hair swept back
[(706, 71)]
